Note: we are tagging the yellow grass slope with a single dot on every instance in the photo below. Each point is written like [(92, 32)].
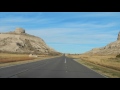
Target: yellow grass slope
[(109, 61), (107, 65), (6, 57)]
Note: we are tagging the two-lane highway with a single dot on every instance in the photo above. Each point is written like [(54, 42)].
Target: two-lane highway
[(60, 67)]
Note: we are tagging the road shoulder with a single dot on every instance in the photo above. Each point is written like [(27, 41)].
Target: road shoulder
[(4, 65), (106, 72)]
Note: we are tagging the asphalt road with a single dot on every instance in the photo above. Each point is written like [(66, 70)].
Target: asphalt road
[(60, 67)]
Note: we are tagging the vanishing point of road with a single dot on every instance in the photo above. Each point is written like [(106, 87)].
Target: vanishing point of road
[(60, 67)]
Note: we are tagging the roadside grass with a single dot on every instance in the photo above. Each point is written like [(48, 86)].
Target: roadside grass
[(106, 65), (6, 57)]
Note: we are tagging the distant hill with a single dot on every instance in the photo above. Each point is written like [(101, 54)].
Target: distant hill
[(111, 49), (19, 41)]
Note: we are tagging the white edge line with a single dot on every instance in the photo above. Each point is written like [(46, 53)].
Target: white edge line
[(92, 69), (65, 60)]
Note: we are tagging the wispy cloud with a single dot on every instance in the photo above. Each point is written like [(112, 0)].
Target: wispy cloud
[(73, 36), (89, 25), (6, 28), (97, 14), (24, 20)]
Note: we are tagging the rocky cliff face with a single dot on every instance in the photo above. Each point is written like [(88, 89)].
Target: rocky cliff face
[(20, 42), (111, 49)]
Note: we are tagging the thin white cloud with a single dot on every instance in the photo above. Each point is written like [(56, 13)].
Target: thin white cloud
[(6, 28), (89, 25), (99, 14), (24, 18), (64, 35), (14, 20)]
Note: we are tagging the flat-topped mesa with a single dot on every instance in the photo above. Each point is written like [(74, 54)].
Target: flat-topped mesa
[(18, 41), (19, 31), (118, 36)]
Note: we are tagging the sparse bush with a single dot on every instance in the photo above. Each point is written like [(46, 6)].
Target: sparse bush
[(118, 56)]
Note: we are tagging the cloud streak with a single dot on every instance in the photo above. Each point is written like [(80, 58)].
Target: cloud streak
[(69, 36)]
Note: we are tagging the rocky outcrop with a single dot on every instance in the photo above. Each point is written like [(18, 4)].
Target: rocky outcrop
[(118, 36), (32, 55), (20, 42), (19, 30), (111, 49)]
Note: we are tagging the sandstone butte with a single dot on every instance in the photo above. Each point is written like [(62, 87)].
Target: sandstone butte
[(111, 49), (18, 41)]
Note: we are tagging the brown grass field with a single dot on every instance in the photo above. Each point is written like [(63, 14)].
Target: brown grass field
[(7, 60), (6, 57), (108, 62)]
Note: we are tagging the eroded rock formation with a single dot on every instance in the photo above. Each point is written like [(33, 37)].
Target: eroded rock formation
[(19, 41)]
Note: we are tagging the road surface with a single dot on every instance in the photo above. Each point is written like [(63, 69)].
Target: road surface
[(60, 67)]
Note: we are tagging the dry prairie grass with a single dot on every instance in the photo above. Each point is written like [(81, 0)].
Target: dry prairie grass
[(107, 65), (7, 60), (6, 57), (109, 61)]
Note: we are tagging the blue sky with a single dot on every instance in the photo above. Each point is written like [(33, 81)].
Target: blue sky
[(67, 32)]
